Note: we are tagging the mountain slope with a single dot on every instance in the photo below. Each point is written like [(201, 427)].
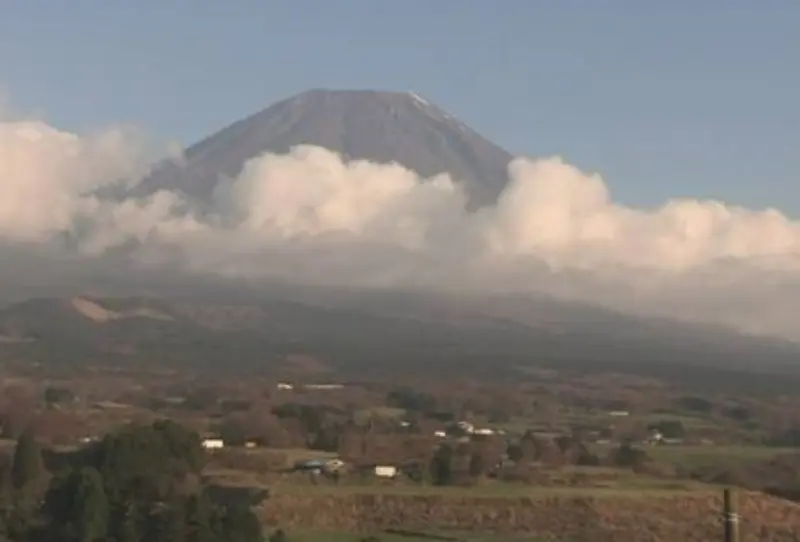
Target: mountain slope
[(387, 333), (382, 127)]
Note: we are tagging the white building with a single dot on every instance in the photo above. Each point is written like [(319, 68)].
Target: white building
[(385, 471), (213, 443), (466, 427)]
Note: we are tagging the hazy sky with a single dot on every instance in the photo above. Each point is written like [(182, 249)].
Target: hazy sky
[(664, 99)]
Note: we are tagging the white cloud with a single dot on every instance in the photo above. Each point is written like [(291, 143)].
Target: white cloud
[(310, 217)]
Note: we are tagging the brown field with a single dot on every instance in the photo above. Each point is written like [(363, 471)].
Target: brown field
[(686, 517)]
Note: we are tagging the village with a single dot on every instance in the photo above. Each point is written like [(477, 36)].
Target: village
[(489, 451)]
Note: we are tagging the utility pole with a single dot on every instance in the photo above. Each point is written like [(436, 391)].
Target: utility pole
[(731, 515)]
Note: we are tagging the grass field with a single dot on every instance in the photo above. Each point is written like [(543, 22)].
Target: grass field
[(691, 456), (696, 456)]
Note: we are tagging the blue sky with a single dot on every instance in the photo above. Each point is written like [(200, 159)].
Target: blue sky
[(664, 99)]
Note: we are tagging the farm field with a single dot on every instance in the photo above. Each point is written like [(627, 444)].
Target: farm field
[(384, 536), (492, 490), (694, 456)]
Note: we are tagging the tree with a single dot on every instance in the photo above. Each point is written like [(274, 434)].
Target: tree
[(127, 524), (27, 465), (476, 465), (5, 477), (77, 506), (696, 404), (232, 432), (441, 466), (514, 452), (167, 523), (327, 438), (202, 399), (628, 456), (199, 519), (139, 483), (411, 400), (147, 463), (737, 413), (240, 524), (529, 446), (54, 396), (91, 505), (310, 417)]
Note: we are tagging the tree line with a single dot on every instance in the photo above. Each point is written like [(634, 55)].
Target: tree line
[(140, 483)]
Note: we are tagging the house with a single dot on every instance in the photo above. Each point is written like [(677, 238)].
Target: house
[(440, 434), (619, 413), (483, 431), (318, 466), (213, 443), (284, 386), (385, 471)]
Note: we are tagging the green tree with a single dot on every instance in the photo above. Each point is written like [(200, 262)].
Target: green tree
[(514, 452), (233, 433), (167, 523), (240, 524), (147, 463), (91, 505), (629, 456), (476, 465), (199, 519), (5, 479), (127, 524), (27, 465), (441, 466), (139, 483), (53, 396), (529, 446), (77, 506)]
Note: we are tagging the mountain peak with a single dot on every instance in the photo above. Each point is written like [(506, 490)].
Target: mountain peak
[(379, 126)]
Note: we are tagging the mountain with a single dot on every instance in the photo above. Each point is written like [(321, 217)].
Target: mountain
[(394, 333), (382, 127), (212, 324)]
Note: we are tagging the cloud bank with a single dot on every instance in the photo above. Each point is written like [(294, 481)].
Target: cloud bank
[(309, 217)]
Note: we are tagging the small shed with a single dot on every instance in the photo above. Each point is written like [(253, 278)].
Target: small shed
[(385, 471), (213, 443)]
